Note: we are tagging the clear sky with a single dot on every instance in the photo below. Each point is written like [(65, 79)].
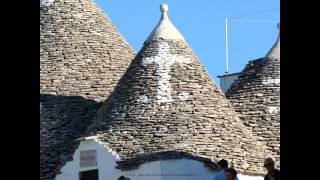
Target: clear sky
[(202, 24)]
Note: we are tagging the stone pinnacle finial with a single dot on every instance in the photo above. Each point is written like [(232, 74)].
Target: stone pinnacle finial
[(164, 8), (165, 29), (274, 52)]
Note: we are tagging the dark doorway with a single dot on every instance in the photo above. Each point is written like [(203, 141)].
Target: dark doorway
[(89, 175)]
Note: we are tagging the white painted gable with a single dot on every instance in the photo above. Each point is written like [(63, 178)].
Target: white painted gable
[(106, 161)]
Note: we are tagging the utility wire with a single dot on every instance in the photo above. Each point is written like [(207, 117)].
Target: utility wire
[(259, 12), (247, 20), (237, 17)]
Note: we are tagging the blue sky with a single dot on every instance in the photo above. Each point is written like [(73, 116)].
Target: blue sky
[(202, 24)]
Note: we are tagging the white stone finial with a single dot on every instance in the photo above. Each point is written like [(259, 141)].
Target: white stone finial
[(165, 29), (164, 8), (274, 52)]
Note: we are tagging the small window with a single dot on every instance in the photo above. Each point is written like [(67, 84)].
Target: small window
[(88, 158), (89, 175)]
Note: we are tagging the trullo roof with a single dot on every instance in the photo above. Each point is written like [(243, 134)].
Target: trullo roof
[(256, 96), (82, 57), (167, 107)]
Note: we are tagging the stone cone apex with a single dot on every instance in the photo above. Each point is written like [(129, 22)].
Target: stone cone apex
[(166, 107), (256, 96), (274, 52), (82, 57), (165, 29)]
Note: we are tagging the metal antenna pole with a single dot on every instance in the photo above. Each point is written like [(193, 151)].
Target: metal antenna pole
[(227, 67)]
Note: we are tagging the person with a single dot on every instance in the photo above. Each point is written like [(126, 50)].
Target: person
[(273, 174), (230, 174), (222, 166)]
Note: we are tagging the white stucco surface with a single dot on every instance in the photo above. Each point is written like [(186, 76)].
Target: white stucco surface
[(226, 81), (180, 169), (106, 161), (246, 177)]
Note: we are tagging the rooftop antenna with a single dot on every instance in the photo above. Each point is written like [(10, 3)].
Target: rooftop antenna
[(227, 65), (238, 17)]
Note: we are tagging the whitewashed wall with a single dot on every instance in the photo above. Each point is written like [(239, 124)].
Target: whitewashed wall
[(106, 162), (181, 169), (227, 80), (246, 177)]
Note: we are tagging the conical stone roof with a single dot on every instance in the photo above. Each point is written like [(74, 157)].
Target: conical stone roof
[(256, 96), (81, 51), (167, 107), (82, 57)]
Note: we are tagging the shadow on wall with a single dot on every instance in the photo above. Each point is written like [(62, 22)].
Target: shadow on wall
[(62, 120), (133, 163)]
